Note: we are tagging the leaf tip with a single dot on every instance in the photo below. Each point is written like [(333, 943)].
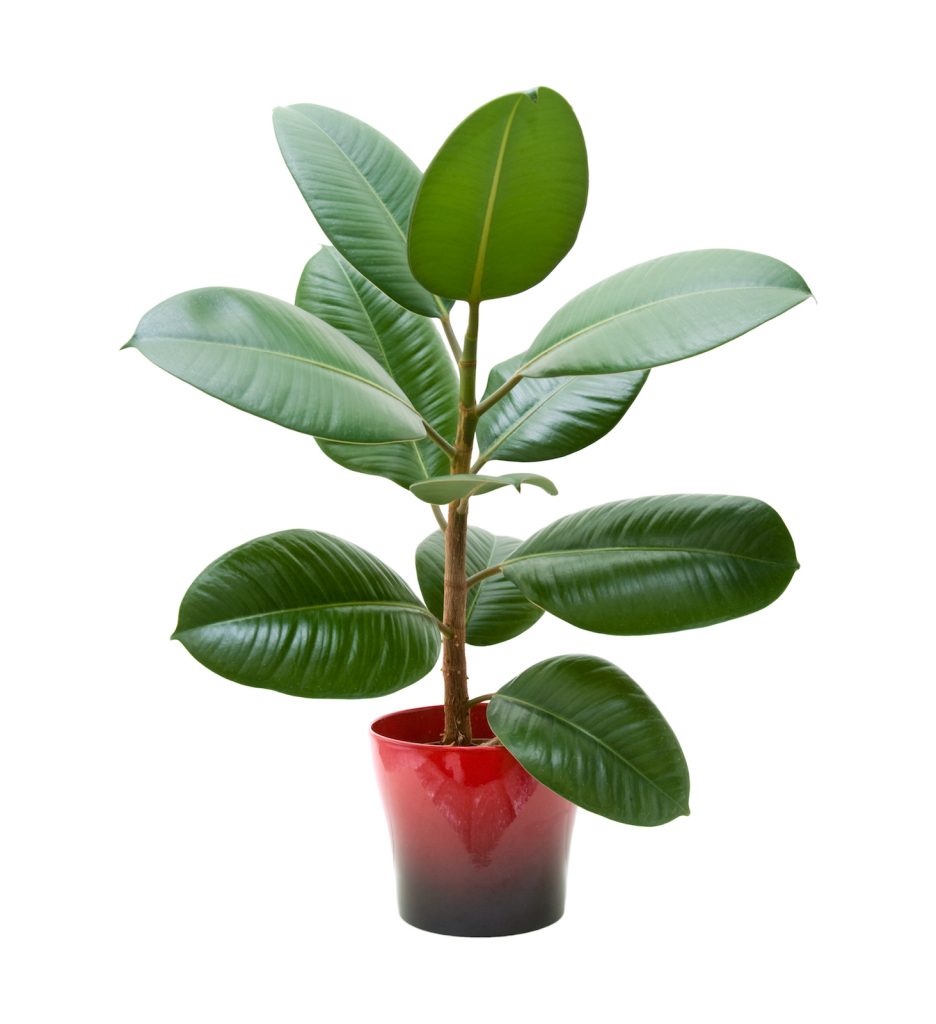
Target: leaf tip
[(129, 344)]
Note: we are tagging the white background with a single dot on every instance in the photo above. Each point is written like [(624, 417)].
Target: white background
[(179, 848)]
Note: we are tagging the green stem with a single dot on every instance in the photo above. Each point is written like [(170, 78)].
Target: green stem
[(450, 337), (479, 577), (497, 395), (439, 518), (439, 439)]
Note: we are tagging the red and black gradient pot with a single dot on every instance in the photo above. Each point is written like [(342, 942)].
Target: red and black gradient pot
[(480, 846)]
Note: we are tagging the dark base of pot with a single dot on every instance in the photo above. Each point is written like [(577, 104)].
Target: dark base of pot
[(526, 908), (480, 846)]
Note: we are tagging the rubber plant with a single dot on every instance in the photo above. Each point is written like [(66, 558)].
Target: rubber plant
[(358, 363)]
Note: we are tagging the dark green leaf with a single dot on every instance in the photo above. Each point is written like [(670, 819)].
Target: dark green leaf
[(406, 345), (276, 361), (310, 615), (585, 729), (548, 417), (502, 200), (656, 565), (662, 311), (361, 188), (496, 610), (443, 489)]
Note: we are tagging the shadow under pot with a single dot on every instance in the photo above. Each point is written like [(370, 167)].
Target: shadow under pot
[(480, 847)]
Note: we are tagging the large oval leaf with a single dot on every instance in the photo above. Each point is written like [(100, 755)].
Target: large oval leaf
[(443, 489), (361, 188), (656, 565), (662, 311), (585, 729), (276, 361), (496, 610), (502, 200), (308, 614), (406, 345), (548, 417)]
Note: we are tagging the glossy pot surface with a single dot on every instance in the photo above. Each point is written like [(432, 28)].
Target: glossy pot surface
[(480, 847)]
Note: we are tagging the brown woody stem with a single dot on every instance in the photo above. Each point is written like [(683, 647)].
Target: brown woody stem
[(454, 665)]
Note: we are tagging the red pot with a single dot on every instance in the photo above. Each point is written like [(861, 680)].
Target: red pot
[(480, 846)]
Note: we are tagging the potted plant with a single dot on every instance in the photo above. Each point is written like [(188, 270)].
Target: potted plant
[(480, 790)]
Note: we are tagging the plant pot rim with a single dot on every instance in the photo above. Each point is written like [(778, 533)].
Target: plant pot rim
[(422, 745)]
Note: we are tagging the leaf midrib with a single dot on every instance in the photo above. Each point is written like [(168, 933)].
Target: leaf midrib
[(484, 240), (365, 312), (436, 299), (647, 305), (596, 740), (676, 549), (326, 606), (288, 355), (474, 598), (486, 456), (359, 173)]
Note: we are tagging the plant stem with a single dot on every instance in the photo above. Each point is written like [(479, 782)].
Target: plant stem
[(479, 577), (439, 518), (497, 395), (434, 435), (480, 700), (450, 337), (454, 666)]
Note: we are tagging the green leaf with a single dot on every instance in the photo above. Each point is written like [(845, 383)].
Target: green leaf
[(496, 610), (308, 614), (406, 345), (662, 311), (502, 200), (585, 729), (443, 489), (548, 417), (276, 361), (656, 565), (361, 188)]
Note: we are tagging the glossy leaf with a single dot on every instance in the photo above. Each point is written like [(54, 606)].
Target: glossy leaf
[(502, 200), (548, 417), (271, 359), (662, 311), (585, 729), (361, 188), (496, 610), (656, 565), (443, 489), (308, 614), (406, 345)]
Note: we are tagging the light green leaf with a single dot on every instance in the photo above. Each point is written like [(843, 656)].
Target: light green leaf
[(502, 200), (271, 359), (361, 188), (310, 615), (406, 345), (546, 418), (443, 489), (585, 729), (496, 610), (656, 565), (662, 311)]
